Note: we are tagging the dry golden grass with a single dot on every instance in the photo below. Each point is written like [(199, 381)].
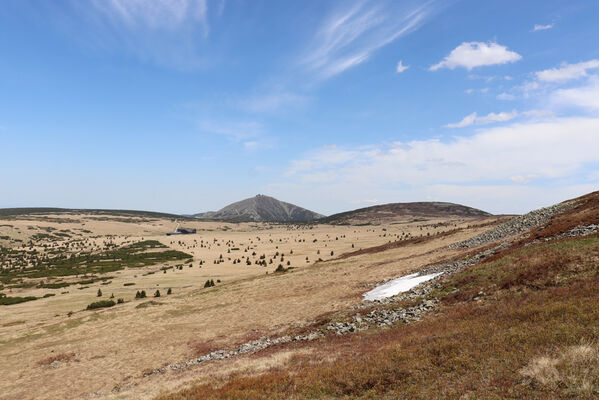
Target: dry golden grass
[(114, 346)]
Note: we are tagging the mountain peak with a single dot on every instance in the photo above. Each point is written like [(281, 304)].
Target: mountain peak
[(261, 208)]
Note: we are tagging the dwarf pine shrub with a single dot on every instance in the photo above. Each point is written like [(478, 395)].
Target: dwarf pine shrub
[(101, 304)]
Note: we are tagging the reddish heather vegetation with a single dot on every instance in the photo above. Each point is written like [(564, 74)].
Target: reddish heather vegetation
[(585, 212), (63, 357)]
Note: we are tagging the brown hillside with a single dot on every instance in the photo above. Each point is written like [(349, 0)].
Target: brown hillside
[(393, 211)]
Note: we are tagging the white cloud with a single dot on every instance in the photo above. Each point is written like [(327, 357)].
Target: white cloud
[(586, 96), (400, 67), (555, 149), (474, 119), (477, 54), (349, 37), (506, 169), (466, 121), (567, 72), (538, 27)]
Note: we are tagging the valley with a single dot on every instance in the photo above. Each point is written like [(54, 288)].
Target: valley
[(242, 301), (63, 260)]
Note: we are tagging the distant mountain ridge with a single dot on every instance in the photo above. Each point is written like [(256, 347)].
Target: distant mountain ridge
[(261, 209), (428, 209), (55, 210)]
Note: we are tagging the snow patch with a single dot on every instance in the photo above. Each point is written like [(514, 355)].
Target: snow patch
[(399, 285)]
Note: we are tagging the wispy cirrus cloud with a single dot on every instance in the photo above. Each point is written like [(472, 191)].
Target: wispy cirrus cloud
[(567, 72), (539, 27), (170, 33), (554, 86), (400, 67), (248, 134), (475, 119), (171, 15), (505, 116), (349, 37)]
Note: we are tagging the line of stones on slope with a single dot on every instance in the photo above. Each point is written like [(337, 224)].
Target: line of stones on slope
[(379, 318), (580, 230), (516, 225)]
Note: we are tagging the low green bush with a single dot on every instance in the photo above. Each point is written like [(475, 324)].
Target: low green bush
[(101, 304), (7, 301)]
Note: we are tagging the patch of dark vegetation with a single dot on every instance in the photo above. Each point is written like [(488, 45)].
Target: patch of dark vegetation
[(7, 301), (100, 304), (131, 256), (54, 285), (93, 280), (45, 236), (281, 269), (209, 283)]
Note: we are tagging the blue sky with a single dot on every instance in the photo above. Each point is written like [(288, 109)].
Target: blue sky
[(187, 105)]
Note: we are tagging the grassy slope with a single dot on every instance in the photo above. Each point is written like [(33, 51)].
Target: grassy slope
[(539, 304)]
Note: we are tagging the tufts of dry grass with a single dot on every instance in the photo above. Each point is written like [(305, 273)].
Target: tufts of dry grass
[(573, 370)]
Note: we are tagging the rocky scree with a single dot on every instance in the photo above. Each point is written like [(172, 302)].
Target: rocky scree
[(515, 226)]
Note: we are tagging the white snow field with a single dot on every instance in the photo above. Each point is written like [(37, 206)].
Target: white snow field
[(398, 285)]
